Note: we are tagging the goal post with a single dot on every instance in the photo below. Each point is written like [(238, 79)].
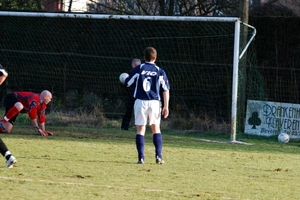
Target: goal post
[(76, 51)]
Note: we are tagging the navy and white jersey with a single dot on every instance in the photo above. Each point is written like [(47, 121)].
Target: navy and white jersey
[(149, 79)]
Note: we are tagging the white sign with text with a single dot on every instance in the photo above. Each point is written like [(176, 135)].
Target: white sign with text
[(271, 118)]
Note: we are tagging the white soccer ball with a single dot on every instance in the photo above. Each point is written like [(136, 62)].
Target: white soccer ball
[(122, 77), (283, 138)]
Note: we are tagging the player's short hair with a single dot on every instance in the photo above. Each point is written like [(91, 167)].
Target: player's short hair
[(150, 53), (135, 60)]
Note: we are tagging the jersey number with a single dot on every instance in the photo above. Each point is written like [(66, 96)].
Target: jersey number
[(147, 84)]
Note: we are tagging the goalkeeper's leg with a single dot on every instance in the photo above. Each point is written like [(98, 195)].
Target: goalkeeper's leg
[(10, 116)]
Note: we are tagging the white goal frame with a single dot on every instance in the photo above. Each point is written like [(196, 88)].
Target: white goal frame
[(236, 55)]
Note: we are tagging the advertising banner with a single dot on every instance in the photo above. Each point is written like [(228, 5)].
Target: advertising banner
[(266, 118)]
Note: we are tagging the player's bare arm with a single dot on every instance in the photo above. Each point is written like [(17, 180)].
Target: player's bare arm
[(43, 127), (3, 76), (165, 110), (40, 128)]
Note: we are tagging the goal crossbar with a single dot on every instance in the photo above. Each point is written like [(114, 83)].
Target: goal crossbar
[(124, 17)]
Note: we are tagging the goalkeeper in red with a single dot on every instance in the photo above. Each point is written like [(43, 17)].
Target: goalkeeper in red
[(149, 80), (33, 104)]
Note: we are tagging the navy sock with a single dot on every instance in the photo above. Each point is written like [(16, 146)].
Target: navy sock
[(157, 141), (140, 143)]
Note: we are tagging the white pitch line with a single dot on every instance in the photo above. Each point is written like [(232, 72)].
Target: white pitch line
[(84, 184), (220, 142)]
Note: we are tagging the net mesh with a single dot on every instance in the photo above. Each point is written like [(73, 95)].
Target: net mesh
[(80, 59)]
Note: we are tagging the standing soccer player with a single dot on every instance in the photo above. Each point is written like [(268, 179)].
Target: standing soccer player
[(129, 103), (149, 80), (10, 159)]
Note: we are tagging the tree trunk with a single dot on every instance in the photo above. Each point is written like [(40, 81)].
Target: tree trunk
[(244, 16)]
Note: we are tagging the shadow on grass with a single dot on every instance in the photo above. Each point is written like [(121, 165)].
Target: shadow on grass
[(195, 140)]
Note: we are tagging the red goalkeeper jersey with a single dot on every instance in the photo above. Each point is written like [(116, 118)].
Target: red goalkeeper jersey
[(32, 105)]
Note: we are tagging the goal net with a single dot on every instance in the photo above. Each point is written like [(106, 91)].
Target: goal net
[(79, 57)]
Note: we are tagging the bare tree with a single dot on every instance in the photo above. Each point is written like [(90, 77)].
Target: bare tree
[(163, 7), (28, 5), (275, 8), (70, 6), (168, 7)]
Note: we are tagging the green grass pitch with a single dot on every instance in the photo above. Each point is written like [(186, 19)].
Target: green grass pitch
[(83, 163)]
